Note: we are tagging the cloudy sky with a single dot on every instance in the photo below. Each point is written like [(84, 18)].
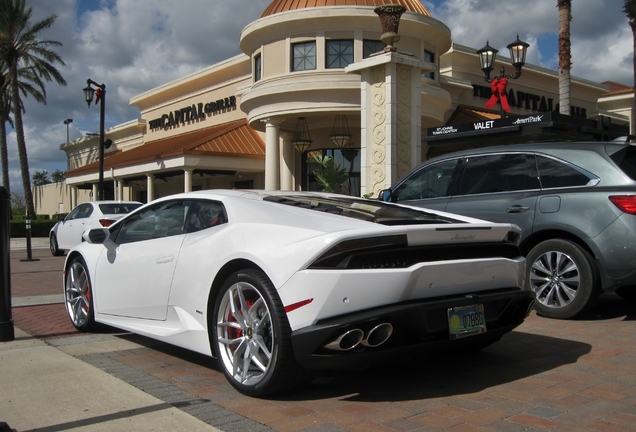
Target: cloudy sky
[(133, 46)]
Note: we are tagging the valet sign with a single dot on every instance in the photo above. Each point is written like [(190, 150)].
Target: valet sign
[(193, 113), (489, 124)]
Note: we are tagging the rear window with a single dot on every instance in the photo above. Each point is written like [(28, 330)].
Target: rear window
[(368, 210), (626, 160), (555, 174), (118, 208)]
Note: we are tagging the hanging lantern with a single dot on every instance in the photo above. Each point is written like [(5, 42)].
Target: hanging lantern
[(340, 134), (301, 139)]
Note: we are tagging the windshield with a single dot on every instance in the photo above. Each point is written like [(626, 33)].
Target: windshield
[(367, 210)]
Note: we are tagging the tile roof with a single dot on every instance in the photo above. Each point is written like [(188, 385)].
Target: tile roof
[(618, 88), (278, 6), (234, 139)]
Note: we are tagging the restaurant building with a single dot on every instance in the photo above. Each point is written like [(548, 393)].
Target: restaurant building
[(316, 78)]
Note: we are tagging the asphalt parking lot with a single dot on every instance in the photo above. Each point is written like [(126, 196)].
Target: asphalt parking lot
[(546, 375)]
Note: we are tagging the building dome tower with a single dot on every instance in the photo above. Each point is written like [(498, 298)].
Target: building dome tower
[(299, 52)]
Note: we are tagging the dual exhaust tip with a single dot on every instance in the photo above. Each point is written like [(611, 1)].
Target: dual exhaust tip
[(354, 337)]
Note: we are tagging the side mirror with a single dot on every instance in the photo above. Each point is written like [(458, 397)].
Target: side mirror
[(386, 195), (96, 235)]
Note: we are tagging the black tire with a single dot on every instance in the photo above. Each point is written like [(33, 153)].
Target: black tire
[(260, 332), (627, 293), (563, 277), (78, 295), (55, 250)]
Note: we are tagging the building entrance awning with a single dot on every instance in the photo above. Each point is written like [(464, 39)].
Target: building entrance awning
[(229, 140), (541, 127)]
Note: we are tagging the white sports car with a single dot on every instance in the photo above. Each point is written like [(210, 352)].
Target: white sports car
[(273, 284)]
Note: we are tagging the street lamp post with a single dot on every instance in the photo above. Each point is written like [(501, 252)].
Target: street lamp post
[(89, 92), (487, 56), (67, 122)]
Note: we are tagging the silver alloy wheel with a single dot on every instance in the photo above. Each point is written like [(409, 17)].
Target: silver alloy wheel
[(78, 294), (54, 247), (555, 279), (245, 334)]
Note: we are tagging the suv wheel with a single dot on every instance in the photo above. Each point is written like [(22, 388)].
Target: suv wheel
[(563, 277)]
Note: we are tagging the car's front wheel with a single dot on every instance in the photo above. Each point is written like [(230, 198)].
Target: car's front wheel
[(55, 249), (78, 295), (563, 277), (252, 336)]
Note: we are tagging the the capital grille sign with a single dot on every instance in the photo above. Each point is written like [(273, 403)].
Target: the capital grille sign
[(192, 113)]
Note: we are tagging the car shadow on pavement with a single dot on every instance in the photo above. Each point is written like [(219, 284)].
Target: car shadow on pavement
[(429, 375), (425, 375), (611, 306)]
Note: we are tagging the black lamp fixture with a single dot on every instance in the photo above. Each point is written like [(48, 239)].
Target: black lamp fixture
[(487, 57), (340, 134), (301, 139), (100, 91), (488, 54)]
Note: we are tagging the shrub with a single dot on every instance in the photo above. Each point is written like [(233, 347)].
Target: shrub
[(39, 228)]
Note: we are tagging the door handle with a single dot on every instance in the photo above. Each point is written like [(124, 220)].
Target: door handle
[(165, 259), (517, 209)]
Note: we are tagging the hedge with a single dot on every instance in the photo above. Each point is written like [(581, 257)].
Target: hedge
[(37, 217), (39, 228)]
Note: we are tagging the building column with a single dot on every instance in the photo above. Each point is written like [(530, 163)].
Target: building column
[(150, 187), (287, 168), (73, 198), (94, 192), (187, 180), (272, 154), (391, 124), (119, 190)]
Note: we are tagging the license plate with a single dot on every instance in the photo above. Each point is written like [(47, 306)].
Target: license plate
[(466, 321)]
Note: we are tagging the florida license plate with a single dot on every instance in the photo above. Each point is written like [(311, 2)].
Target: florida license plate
[(466, 321)]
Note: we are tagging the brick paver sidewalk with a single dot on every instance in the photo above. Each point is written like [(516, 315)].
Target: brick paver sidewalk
[(547, 375)]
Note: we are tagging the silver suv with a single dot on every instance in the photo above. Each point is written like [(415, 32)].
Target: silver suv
[(575, 202)]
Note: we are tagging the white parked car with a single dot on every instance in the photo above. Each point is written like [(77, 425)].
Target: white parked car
[(68, 233), (273, 284)]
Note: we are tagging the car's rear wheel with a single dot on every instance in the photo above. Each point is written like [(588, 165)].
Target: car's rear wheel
[(78, 295), (252, 336), (55, 249), (563, 277)]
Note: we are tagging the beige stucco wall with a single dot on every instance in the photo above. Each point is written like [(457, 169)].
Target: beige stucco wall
[(55, 198)]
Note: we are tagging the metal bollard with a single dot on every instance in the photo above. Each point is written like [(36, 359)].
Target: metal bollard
[(28, 242), (7, 331)]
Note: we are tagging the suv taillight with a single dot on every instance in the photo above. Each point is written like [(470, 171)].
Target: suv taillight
[(106, 222), (626, 203)]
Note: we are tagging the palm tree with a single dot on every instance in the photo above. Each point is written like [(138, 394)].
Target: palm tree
[(565, 58), (34, 88), (5, 109), (629, 7), (21, 51)]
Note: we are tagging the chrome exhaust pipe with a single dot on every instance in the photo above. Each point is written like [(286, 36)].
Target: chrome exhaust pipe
[(346, 341), (378, 335)]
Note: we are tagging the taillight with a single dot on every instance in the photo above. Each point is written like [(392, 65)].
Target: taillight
[(106, 222), (626, 203)]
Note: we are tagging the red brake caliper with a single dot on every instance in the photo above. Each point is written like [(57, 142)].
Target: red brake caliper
[(87, 295), (235, 333)]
